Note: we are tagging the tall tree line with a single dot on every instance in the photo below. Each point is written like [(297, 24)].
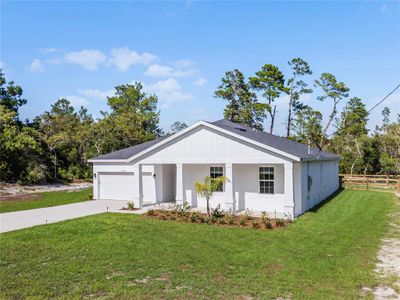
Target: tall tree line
[(254, 100), (57, 144)]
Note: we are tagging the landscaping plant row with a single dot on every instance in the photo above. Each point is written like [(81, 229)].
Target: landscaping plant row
[(182, 213)]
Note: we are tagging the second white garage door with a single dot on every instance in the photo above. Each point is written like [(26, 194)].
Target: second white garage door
[(116, 186)]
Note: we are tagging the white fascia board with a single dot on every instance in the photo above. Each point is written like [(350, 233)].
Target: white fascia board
[(106, 160), (166, 140), (261, 145), (320, 159), (190, 128), (227, 132)]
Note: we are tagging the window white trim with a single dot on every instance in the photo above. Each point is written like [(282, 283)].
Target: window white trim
[(223, 174), (266, 180)]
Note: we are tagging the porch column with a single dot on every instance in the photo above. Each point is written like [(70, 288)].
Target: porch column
[(137, 182), (229, 194), (179, 184), (289, 190)]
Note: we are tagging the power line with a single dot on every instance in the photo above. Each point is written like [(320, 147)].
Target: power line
[(385, 97), (376, 105)]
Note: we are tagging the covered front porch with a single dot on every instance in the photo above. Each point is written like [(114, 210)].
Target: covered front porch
[(259, 187)]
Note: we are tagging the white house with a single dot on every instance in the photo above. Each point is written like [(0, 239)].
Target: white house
[(265, 172)]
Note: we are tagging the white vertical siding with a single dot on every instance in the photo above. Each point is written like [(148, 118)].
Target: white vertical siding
[(247, 193), (325, 181), (206, 146), (193, 173), (297, 175), (168, 183)]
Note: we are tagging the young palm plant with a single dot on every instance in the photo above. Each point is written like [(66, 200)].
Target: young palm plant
[(208, 187)]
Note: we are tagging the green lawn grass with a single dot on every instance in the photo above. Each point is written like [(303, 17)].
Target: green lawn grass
[(326, 254), (46, 199)]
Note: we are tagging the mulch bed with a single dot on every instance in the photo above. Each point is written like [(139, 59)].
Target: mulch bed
[(226, 220), (127, 208)]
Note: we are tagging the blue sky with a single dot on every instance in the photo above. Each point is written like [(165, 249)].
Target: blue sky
[(180, 50)]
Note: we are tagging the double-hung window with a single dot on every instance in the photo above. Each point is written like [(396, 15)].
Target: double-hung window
[(216, 172), (266, 179)]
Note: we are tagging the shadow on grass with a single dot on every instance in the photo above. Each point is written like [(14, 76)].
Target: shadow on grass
[(317, 207)]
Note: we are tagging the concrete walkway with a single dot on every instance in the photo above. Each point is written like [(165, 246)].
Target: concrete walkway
[(40, 216)]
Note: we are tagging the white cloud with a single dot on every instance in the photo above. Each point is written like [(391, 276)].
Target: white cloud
[(124, 58), (384, 8), (182, 68), (76, 101), (168, 91), (200, 82), (159, 71), (2, 64), (36, 65), (183, 63), (53, 61), (89, 59), (96, 93), (50, 50)]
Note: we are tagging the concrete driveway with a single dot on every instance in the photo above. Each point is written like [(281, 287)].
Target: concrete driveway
[(40, 216)]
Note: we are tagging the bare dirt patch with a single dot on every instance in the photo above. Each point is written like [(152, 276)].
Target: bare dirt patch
[(13, 192), (388, 266), (20, 197)]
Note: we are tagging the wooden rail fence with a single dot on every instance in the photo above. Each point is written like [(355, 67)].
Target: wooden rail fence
[(384, 183)]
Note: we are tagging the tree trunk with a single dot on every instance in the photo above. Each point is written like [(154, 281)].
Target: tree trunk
[(331, 116), (208, 207), (272, 120), (55, 165), (96, 145), (352, 167), (289, 121)]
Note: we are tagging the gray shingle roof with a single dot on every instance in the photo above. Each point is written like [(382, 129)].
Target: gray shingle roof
[(277, 142), (130, 151), (274, 141)]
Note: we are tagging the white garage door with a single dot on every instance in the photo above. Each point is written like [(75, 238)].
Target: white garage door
[(116, 186)]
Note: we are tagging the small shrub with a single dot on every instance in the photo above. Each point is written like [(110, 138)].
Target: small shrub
[(222, 221), (264, 217), (212, 220), (162, 217), (150, 212), (280, 222), (89, 197), (131, 205), (36, 173), (229, 218), (255, 224), (202, 219), (248, 215), (172, 217), (268, 225), (182, 210), (193, 217), (242, 221), (217, 212)]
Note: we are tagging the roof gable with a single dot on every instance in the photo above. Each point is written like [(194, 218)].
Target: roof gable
[(280, 145)]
